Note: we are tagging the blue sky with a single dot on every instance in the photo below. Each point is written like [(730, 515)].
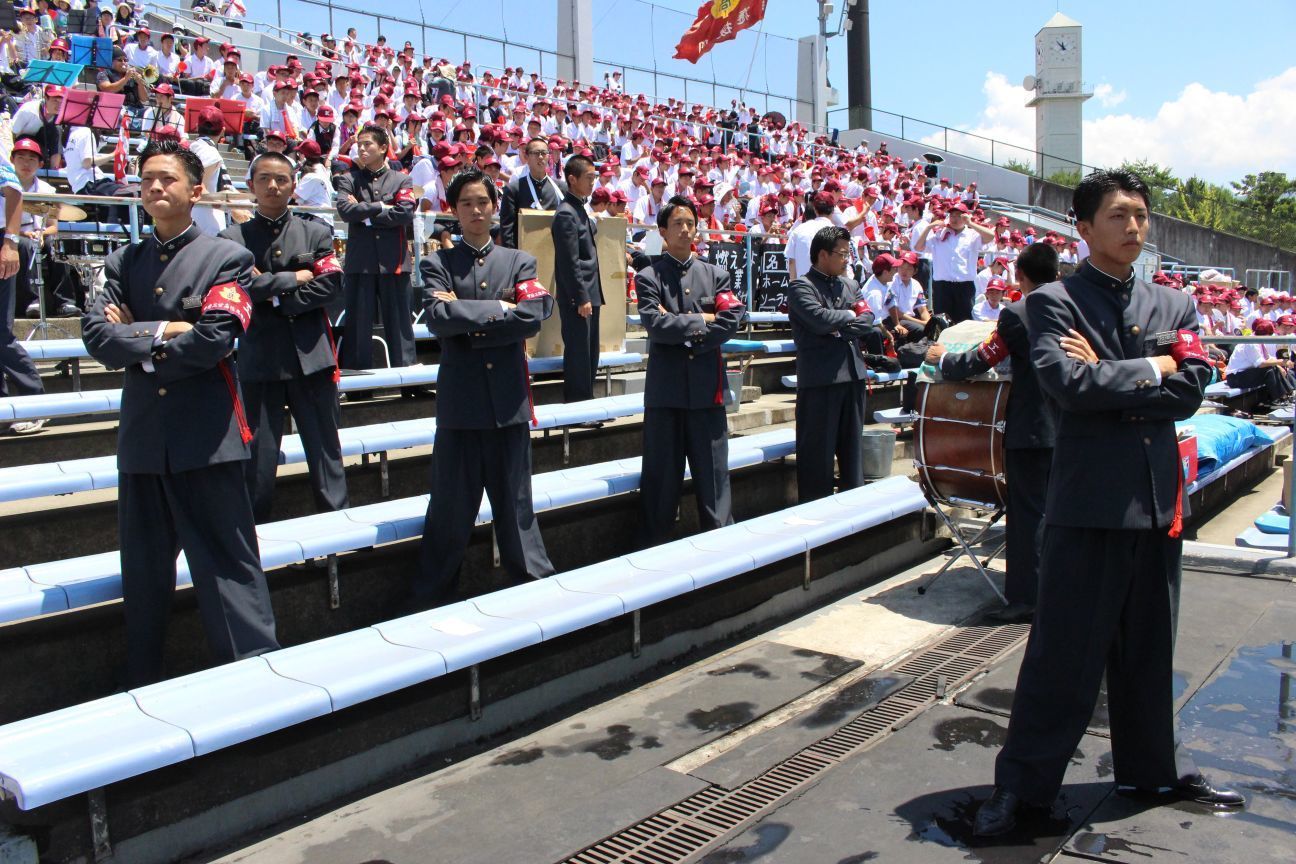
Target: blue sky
[(1170, 70)]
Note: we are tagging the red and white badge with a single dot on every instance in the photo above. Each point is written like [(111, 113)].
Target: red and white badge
[(229, 297), (531, 289), (326, 265)]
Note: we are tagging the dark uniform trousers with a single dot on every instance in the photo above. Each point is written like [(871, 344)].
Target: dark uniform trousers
[(684, 414), (577, 281), (287, 355), (1274, 381), (483, 441), (1109, 572), (15, 363), (831, 381), (1031, 429), (953, 299), (377, 264), (181, 449)]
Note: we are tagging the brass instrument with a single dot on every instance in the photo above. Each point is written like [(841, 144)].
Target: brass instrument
[(151, 74)]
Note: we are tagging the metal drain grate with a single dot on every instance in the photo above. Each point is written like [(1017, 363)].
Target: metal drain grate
[(685, 830)]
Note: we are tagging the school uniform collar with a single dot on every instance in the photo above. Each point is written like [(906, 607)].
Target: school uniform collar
[(476, 253), (682, 265), (1103, 279), (178, 242), (278, 223)]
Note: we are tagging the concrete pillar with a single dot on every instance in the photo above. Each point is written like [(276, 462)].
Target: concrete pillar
[(576, 41), (812, 82)]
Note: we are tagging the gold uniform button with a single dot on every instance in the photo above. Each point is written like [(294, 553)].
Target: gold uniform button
[(687, 291), (1147, 441), (490, 365), (162, 257), (161, 355), (161, 391), (1134, 331), (276, 231), (159, 290), (483, 285), (278, 252)]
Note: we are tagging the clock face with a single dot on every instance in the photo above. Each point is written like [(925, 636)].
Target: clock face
[(1058, 48)]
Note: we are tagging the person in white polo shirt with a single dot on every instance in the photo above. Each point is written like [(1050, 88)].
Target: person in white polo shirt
[(988, 309), (819, 210), (955, 242)]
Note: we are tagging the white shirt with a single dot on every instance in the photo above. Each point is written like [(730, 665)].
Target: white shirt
[(1247, 356), (80, 147), (27, 119), (875, 294), (954, 256), (798, 244), (315, 189), (983, 311), (905, 296), (141, 57), (208, 219)]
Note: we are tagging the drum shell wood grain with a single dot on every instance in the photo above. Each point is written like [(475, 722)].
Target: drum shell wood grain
[(958, 441)]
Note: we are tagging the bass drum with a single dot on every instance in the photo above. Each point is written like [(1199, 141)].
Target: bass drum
[(958, 444)]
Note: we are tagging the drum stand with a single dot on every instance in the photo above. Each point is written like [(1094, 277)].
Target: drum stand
[(967, 545), (38, 284)]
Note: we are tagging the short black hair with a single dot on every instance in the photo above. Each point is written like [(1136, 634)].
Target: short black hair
[(542, 139), (668, 210), (826, 239), (1038, 262), (379, 133), (467, 177), (577, 165), (1093, 188), (483, 151), (269, 156), (167, 147)]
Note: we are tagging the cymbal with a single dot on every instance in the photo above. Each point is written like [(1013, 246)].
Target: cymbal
[(240, 214), (66, 212), (418, 191)]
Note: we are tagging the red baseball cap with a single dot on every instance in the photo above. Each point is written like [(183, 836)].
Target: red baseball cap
[(28, 145)]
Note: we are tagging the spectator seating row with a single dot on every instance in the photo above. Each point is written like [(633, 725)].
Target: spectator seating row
[(49, 405), (72, 583), (100, 472), (51, 757)]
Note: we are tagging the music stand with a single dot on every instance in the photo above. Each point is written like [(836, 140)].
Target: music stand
[(231, 112), (91, 50), (52, 72), (91, 108)]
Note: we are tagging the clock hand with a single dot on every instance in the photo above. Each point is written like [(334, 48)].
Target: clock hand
[(1060, 45)]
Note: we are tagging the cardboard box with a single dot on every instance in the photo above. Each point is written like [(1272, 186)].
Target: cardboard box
[(534, 236), (1188, 457)]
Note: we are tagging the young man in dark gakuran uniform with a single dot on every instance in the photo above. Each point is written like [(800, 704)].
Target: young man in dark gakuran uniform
[(530, 189), (1123, 361), (577, 281), (287, 355), (170, 311), (689, 311), (377, 204), (1029, 430), (829, 317), (483, 302)]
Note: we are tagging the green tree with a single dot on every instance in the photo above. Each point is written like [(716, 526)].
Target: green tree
[(1019, 167), (1066, 178)]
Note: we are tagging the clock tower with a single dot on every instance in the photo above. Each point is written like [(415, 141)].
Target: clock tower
[(1059, 94)]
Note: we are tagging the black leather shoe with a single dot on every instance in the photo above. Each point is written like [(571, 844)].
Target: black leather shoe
[(1200, 791), (998, 815)]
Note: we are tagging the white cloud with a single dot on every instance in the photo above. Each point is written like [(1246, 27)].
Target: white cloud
[(1108, 96), (1211, 134)]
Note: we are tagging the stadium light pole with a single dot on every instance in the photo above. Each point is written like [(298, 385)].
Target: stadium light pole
[(859, 75)]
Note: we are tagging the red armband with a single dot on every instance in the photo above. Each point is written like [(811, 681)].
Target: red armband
[(403, 196), (1188, 346), (993, 350), (861, 307), (531, 289), (725, 300), (229, 297), (326, 266)]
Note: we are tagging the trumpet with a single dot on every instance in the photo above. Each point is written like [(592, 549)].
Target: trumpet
[(151, 74)]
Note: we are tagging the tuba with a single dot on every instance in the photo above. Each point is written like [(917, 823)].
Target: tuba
[(151, 74)]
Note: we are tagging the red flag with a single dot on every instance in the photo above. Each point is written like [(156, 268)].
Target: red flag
[(121, 157), (717, 21)]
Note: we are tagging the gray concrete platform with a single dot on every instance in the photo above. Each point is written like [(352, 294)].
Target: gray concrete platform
[(908, 798)]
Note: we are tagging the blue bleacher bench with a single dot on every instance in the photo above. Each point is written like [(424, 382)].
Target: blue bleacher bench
[(48, 405), (53, 756), (752, 318), (56, 586), (100, 472), (757, 346), (874, 377)]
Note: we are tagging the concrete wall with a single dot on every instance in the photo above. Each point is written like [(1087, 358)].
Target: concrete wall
[(991, 180), (1185, 241)]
